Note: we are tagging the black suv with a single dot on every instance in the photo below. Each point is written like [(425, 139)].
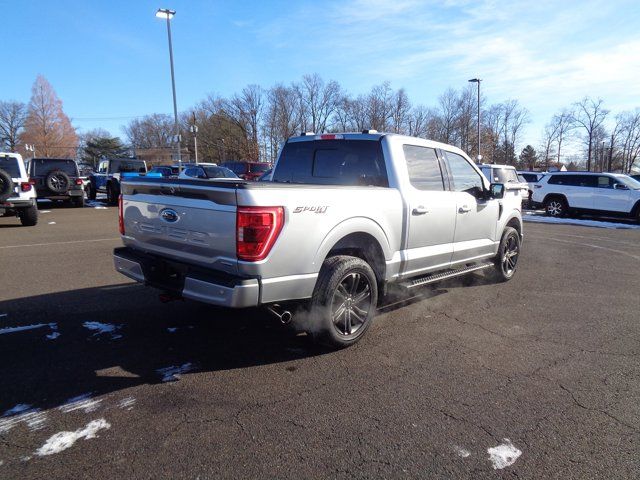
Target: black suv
[(56, 179)]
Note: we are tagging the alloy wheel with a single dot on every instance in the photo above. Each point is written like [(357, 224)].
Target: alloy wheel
[(351, 303)]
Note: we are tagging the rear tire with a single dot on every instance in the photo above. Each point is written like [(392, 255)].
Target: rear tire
[(112, 195), (28, 216), (78, 202), (344, 301), (556, 207), (506, 260)]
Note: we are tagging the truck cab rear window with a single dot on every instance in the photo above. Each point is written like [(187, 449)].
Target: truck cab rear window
[(332, 162)]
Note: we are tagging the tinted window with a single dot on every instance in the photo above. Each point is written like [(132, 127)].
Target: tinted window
[(530, 177), (332, 162), (44, 166), (236, 167), (125, 166), (10, 165), (464, 177), (573, 180), (424, 168), (193, 172), (258, 167)]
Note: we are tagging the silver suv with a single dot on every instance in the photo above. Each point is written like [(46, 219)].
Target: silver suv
[(17, 195)]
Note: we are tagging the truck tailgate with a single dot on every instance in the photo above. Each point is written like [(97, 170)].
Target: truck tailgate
[(182, 219)]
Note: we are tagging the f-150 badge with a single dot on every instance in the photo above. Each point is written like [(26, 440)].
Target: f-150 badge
[(311, 209)]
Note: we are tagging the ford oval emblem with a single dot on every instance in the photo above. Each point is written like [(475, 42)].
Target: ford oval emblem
[(169, 215)]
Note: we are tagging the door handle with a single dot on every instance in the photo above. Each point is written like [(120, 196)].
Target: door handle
[(419, 210), (464, 209)]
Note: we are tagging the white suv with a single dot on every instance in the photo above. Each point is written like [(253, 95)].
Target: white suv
[(605, 194), (17, 195)]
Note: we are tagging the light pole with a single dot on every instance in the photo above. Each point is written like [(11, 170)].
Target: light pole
[(30, 147), (477, 80), (194, 130), (168, 14)]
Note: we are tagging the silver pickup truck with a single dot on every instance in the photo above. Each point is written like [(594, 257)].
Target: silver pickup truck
[(343, 216)]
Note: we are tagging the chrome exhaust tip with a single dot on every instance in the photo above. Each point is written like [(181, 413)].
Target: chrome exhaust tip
[(283, 315)]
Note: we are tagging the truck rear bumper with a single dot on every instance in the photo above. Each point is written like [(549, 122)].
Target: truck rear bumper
[(186, 280)]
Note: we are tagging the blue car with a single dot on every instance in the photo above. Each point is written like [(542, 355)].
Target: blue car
[(107, 178)]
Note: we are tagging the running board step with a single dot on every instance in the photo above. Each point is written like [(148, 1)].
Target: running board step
[(420, 281)]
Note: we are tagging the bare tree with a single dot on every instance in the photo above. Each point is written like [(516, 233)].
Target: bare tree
[(318, 102), (46, 126), (447, 116), (379, 107), (12, 118), (281, 118), (400, 112), (629, 138), (420, 121), (589, 114), (151, 131)]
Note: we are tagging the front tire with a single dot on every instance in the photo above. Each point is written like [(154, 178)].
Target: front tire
[(78, 202), (28, 216), (508, 254), (91, 192), (344, 301)]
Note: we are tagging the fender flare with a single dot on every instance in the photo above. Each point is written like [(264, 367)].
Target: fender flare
[(347, 227)]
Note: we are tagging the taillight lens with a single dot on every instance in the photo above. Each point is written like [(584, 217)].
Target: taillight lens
[(78, 181), (257, 229), (25, 186), (120, 215)]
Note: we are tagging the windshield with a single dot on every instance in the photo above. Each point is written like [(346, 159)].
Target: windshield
[(10, 165), (42, 166), (219, 172), (504, 175), (629, 182)]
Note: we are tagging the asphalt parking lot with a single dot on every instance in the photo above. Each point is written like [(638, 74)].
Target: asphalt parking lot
[(104, 381)]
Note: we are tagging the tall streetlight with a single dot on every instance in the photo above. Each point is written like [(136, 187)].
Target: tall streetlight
[(168, 14), (477, 80)]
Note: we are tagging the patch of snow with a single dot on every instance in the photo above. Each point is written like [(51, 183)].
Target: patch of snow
[(1, 462), (22, 413), (127, 403), (44, 211), (101, 208), (503, 455), (63, 440), (23, 328), (26, 458), (81, 402), (52, 223), (172, 329), (103, 328), (172, 374), (53, 336), (462, 452), (19, 408), (542, 218)]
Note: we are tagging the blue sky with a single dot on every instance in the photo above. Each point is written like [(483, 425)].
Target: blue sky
[(108, 60)]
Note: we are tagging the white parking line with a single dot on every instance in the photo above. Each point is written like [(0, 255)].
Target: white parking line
[(60, 243)]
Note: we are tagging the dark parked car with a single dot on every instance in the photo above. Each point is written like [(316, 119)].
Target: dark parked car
[(248, 170), (107, 178), (163, 172), (57, 179)]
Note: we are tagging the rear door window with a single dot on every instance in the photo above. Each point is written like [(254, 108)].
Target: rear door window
[(44, 166), (10, 165), (332, 162), (605, 182), (424, 168), (504, 175)]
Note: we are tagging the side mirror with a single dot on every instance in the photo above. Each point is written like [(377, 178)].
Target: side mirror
[(497, 190), (620, 186)]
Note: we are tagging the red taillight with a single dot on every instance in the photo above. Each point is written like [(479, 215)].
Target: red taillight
[(78, 181), (257, 229), (120, 216), (25, 186)]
